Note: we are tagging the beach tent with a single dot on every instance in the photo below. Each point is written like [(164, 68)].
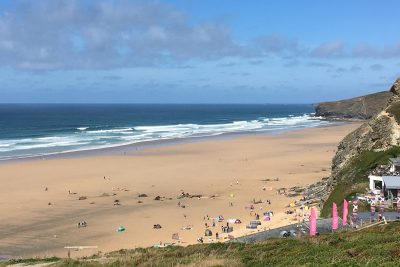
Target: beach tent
[(121, 229), (208, 232)]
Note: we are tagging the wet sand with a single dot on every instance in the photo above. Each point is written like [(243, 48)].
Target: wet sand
[(36, 222)]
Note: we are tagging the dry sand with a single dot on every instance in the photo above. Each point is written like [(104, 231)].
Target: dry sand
[(29, 226)]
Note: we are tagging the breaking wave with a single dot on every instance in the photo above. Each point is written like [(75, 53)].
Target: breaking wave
[(85, 138)]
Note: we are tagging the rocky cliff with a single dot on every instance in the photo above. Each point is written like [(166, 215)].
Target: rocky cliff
[(360, 108), (379, 133)]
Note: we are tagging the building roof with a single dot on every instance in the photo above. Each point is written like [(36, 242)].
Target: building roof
[(391, 182), (395, 161)]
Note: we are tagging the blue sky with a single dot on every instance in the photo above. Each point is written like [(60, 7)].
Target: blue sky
[(186, 51)]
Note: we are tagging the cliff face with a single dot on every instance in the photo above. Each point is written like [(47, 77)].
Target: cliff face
[(379, 133), (361, 108)]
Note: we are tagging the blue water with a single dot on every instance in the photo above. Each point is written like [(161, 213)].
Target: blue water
[(37, 129)]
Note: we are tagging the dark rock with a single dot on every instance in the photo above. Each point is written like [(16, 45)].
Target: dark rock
[(359, 108)]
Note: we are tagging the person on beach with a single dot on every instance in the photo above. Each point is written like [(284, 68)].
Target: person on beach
[(216, 235)]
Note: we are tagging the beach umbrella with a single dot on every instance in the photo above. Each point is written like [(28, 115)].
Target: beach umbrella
[(121, 229), (313, 222), (345, 212), (334, 217)]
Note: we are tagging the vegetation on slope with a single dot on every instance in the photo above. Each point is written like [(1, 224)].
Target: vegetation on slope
[(375, 246), (354, 177)]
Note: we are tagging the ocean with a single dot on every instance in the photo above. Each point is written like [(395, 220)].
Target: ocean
[(39, 129)]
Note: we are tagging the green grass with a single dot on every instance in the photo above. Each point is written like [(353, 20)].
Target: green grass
[(377, 246), (354, 178), (30, 261)]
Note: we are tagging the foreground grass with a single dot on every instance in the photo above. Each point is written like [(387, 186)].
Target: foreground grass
[(377, 246), (354, 178)]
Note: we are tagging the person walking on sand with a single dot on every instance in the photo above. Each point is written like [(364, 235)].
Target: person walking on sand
[(216, 235)]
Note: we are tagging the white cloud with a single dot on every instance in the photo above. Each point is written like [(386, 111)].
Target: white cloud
[(71, 34)]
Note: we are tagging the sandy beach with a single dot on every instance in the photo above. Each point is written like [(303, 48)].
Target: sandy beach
[(40, 206)]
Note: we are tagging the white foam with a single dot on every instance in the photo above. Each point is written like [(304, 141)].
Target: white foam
[(85, 139), (118, 130)]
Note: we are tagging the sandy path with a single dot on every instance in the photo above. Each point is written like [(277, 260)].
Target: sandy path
[(30, 227)]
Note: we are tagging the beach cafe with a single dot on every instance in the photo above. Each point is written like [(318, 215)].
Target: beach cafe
[(391, 187), (386, 179)]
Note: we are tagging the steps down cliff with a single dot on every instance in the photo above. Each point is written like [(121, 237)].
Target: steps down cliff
[(380, 133), (359, 108)]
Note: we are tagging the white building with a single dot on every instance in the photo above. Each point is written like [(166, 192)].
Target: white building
[(386, 179)]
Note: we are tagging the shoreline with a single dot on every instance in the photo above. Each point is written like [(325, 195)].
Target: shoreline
[(39, 222), (118, 149)]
